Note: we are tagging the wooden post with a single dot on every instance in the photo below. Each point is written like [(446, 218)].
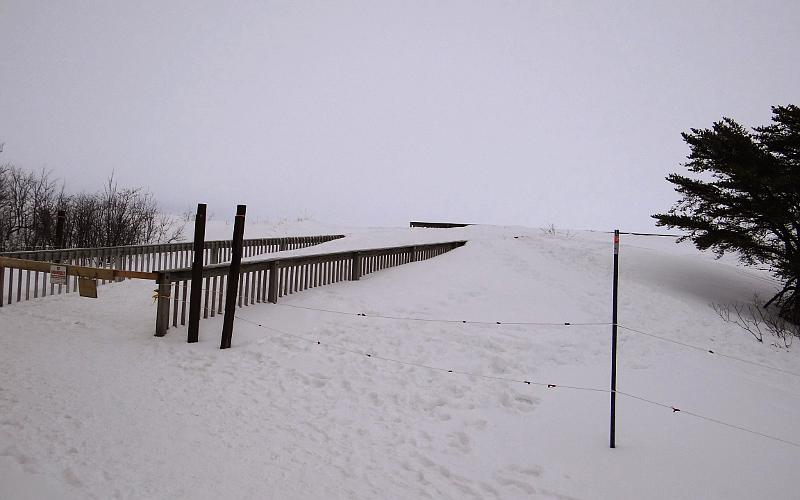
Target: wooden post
[(272, 292), (612, 434), (413, 254), (162, 299), (233, 277), (356, 271), (197, 273)]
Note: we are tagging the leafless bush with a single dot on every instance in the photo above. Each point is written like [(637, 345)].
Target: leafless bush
[(29, 204), (551, 230), (758, 321)]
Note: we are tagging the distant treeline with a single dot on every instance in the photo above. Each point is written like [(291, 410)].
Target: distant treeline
[(30, 202)]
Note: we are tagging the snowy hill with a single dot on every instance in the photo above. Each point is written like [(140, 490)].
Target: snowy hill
[(93, 406)]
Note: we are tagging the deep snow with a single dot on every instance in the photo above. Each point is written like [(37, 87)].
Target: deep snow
[(93, 406)]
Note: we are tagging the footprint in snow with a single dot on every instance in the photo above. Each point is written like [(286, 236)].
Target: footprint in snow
[(460, 442), (520, 402)]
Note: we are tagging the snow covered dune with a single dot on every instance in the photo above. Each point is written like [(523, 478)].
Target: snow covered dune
[(93, 406)]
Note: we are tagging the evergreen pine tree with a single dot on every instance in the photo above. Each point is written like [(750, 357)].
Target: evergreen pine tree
[(745, 197)]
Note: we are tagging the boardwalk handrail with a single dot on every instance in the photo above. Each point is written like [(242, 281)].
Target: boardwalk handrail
[(21, 279), (79, 271), (268, 244), (438, 225), (265, 280)]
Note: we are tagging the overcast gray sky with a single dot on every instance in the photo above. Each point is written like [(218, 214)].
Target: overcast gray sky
[(377, 112)]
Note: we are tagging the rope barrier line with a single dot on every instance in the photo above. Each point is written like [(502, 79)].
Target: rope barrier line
[(661, 235), (709, 351), (674, 409), (155, 296), (438, 320), (766, 279), (411, 363), (709, 419)]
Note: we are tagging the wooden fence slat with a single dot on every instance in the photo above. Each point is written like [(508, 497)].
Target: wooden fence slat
[(221, 293), (214, 296)]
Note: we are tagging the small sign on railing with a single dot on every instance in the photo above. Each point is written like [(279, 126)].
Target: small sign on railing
[(58, 275)]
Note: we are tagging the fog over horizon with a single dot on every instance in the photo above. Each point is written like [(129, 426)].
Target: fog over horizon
[(377, 113)]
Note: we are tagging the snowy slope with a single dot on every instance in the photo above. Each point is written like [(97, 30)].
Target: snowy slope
[(93, 406)]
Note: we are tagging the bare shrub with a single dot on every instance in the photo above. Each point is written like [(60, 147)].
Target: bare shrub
[(758, 321), (29, 204), (551, 230)]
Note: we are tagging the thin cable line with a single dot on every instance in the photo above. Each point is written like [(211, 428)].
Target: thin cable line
[(708, 419), (709, 351), (767, 279), (411, 363), (438, 320), (662, 235)]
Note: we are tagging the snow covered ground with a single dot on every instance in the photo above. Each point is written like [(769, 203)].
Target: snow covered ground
[(93, 406)]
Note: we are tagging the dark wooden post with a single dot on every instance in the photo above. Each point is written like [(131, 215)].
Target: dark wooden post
[(413, 254), (197, 272), (356, 272), (162, 301), (233, 277), (272, 292), (612, 435)]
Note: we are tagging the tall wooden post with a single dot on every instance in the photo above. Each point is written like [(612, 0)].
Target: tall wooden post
[(612, 436), (233, 277), (197, 273)]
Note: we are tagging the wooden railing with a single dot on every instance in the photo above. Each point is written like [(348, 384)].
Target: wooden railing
[(438, 225), (266, 280), (20, 281)]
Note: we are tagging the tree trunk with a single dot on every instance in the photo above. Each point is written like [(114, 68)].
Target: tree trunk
[(796, 309)]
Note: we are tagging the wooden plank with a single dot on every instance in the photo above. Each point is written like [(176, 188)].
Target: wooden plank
[(220, 294), (213, 296), (183, 303), (81, 271)]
